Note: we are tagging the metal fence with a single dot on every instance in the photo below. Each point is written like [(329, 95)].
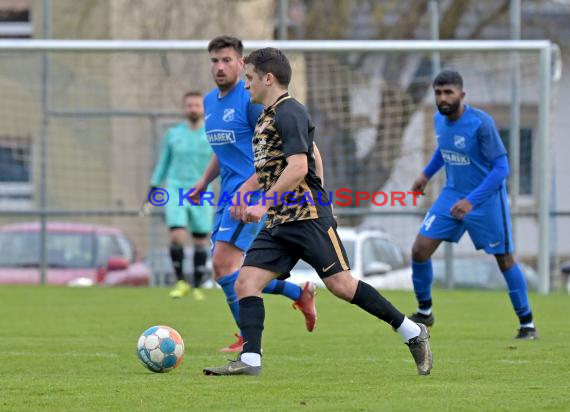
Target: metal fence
[(87, 117)]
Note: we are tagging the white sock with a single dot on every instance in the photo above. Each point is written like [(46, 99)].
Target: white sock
[(527, 325), (426, 312), (252, 359), (408, 330)]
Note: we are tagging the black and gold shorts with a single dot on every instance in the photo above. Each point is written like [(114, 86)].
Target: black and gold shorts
[(315, 241)]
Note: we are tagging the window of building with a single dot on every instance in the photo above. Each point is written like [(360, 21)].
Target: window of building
[(15, 19), (16, 186), (525, 169)]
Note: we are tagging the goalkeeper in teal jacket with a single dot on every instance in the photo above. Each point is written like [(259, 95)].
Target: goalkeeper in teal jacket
[(184, 156)]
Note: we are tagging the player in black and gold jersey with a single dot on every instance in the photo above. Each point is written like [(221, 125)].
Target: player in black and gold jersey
[(300, 222)]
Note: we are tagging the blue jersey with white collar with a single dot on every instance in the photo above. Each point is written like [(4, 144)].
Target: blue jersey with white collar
[(230, 122), (468, 146)]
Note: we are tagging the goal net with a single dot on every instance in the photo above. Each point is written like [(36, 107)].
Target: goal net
[(84, 127)]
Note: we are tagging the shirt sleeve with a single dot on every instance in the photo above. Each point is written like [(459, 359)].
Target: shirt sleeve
[(494, 180), (435, 164), (253, 113), (292, 124), (163, 163), (489, 140)]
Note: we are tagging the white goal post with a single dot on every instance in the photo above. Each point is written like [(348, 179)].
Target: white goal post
[(541, 47)]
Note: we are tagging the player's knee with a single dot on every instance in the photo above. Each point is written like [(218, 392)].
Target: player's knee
[(241, 286), (248, 284), (201, 242), (419, 253), (220, 266), (505, 262), (342, 285), (178, 236), (176, 242)]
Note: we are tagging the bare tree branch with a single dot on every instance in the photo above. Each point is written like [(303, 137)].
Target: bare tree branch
[(399, 102), (495, 15), (452, 17)]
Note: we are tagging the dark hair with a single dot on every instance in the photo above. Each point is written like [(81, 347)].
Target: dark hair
[(222, 42), (191, 93), (271, 60), (448, 77)]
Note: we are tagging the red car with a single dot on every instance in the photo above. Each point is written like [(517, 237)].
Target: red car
[(77, 255)]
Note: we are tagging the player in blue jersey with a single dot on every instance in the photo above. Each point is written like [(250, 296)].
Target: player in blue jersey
[(474, 198), (230, 123), (184, 156)]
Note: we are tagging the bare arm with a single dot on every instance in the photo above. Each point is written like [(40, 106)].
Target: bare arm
[(319, 164), (237, 211), (211, 172), (250, 184), (296, 169)]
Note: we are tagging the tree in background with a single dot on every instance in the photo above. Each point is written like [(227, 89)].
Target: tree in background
[(404, 78)]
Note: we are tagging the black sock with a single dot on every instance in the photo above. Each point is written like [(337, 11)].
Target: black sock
[(424, 304), (177, 256), (374, 303), (251, 318), (526, 318), (200, 258)]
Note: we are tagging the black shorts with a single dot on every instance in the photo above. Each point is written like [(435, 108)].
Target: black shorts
[(315, 241)]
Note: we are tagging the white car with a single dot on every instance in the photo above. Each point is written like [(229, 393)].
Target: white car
[(374, 258)]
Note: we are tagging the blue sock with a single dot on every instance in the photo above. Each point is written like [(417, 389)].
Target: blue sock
[(281, 287), (228, 285), (518, 292), (422, 277)]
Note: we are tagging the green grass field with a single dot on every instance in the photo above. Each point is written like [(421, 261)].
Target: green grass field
[(74, 349)]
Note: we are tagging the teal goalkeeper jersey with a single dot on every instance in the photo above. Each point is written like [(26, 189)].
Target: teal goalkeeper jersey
[(184, 156)]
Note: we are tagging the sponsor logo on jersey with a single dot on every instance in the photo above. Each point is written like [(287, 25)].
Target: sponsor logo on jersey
[(228, 115), (260, 128), (455, 158), (220, 137), (260, 156), (459, 141)]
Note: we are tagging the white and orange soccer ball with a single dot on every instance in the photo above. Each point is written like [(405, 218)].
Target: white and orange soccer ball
[(160, 348)]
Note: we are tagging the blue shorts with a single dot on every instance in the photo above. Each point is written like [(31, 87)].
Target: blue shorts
[(488, 225), (234, 232)]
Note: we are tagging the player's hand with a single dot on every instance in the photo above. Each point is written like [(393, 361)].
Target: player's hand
[(199, 188), (420, 183), (237, 211), (254, 213), (461, 208), (144, 210)]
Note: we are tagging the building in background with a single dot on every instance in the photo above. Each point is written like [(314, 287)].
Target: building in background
[(108, 111)]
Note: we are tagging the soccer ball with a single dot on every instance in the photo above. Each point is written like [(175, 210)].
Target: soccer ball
[(160, 348)]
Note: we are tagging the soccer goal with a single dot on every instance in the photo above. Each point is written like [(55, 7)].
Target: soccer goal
[(81, 123)]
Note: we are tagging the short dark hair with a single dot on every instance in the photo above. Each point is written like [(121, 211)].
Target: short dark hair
[(222, 42), (191, 93), (448, 77), (271, 60)]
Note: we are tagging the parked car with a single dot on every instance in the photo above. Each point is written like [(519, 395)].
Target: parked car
[(481, 272), (374, 258), (77, 255), (378, 261)]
